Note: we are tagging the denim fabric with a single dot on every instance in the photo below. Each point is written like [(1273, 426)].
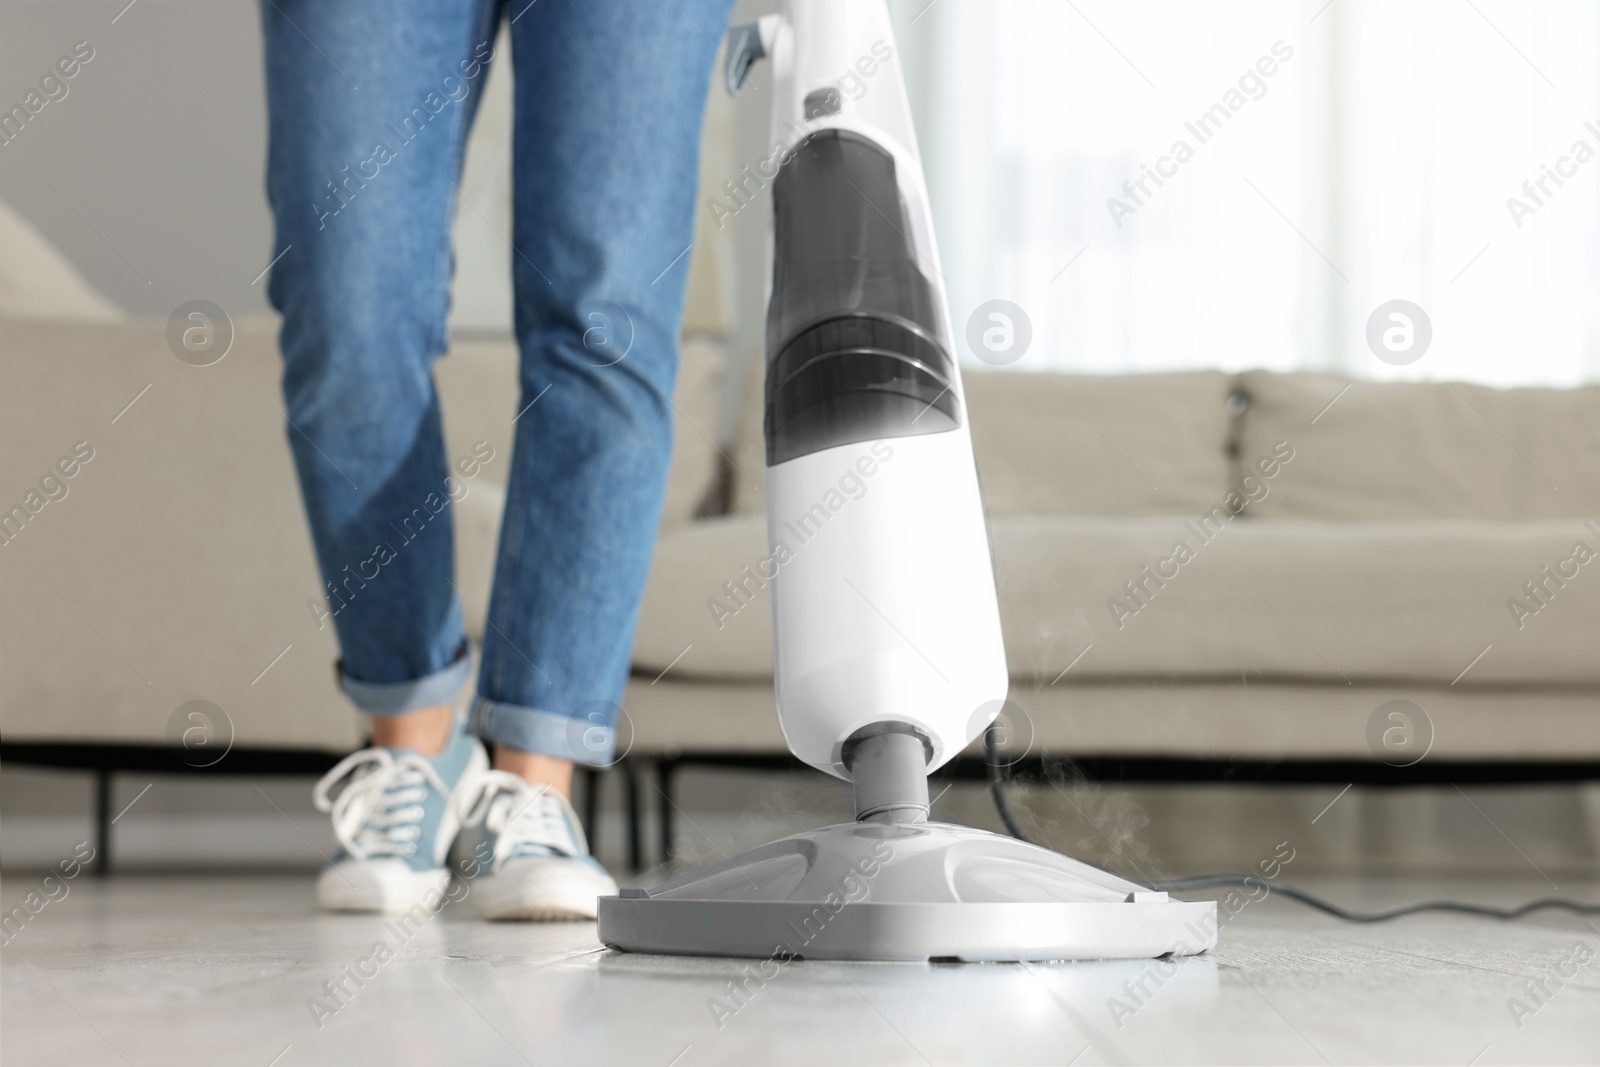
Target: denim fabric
[(369, 107)]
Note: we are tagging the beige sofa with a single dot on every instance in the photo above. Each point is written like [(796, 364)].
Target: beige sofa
[(1372, 554), (177, 565), (1374, 540)]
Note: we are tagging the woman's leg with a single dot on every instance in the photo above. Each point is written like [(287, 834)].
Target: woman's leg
[(610, 95), (368, 108)]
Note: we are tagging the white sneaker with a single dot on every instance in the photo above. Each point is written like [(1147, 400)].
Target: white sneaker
[(541, 867), (395, 818)]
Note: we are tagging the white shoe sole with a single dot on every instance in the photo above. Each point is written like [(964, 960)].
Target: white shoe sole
[(386, 886), (542, 890)]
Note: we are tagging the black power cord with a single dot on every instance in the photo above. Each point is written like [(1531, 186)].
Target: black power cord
[(997, 790)]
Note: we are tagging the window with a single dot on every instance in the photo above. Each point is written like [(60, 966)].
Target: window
[(1206, 184)]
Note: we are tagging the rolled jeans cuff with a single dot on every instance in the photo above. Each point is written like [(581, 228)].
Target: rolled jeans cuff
[(579, 739), (397, 698)]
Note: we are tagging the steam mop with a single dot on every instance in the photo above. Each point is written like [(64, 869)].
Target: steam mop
[(888, 655)]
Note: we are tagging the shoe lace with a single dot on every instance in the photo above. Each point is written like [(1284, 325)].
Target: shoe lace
[(526, 819), (379, 809)]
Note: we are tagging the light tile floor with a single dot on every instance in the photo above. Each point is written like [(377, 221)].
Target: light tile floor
[(223, 970)]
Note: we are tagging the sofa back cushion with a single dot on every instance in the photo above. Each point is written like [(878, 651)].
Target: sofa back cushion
[(748, 450), (1415, 450), (1078, 444), (1068, 444)]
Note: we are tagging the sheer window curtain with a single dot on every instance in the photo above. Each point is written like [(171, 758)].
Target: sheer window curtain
[(1193, 184)]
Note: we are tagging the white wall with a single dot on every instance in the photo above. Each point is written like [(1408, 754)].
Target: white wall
[(148, 176), (159, 144)]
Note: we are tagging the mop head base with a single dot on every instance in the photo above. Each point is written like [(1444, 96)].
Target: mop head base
[(913, 892)]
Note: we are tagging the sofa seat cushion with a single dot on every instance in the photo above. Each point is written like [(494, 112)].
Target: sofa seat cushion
[(1424, 450), (1165, 718), (1376, 602)]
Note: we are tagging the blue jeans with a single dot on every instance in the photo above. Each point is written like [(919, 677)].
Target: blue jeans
[(369, 107)]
